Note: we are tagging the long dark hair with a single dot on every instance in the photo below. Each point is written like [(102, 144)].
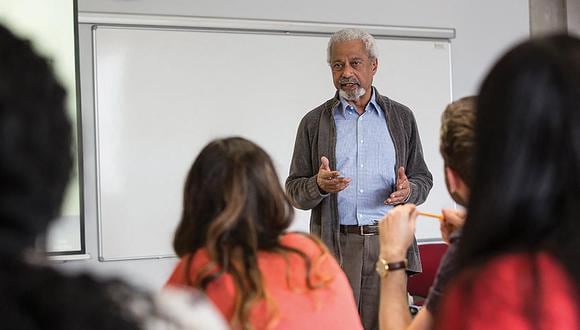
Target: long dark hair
[(234, 206), (526, 190)]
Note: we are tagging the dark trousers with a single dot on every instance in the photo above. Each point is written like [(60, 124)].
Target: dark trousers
[(359, 256)]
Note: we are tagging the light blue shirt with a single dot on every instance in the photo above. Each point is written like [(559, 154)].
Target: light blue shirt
[(366, 154)]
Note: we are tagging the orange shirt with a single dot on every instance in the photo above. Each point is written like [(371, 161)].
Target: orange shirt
[(331, 306), (505, 294)]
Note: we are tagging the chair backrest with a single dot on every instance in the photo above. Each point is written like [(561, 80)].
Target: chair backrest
[(431, 254)]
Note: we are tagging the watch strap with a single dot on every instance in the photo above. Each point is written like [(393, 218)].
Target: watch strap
[(383, 267), (397, 265)]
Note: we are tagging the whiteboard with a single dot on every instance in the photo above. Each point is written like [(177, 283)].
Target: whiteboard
[(162, 94)]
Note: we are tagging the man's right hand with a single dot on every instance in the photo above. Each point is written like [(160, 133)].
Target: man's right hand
[(330, 181)]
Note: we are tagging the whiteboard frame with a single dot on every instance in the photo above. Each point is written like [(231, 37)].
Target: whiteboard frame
[(198, 24), (290, 27)]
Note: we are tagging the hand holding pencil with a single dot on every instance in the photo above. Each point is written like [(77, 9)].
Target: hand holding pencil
[(396, 232), (450, 221)]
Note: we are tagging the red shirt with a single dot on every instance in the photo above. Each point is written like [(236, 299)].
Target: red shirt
[(329, 307), (505, 294)]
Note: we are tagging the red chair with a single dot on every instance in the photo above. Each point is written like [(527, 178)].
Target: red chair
[(418, 285)]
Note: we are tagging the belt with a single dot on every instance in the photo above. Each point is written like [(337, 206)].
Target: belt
[(361, 230)]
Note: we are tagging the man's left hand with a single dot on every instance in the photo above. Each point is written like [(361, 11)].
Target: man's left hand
[(402, 189)]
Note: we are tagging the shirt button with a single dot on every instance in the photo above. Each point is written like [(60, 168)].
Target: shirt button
[(361, 165), (362, 141), (361, 191)]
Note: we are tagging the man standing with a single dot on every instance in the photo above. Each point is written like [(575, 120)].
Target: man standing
[(356, 156)]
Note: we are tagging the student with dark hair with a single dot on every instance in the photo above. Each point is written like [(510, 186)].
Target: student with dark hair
[(518, 257), (457, 144), (35, 164), (233, 244)]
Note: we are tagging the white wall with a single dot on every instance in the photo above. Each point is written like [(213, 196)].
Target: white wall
[(484, 30)]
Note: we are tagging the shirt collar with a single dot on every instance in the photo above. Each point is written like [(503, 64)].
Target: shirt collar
[(373, 105)]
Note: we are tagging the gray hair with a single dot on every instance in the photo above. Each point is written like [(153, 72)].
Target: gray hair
[(350, 34)]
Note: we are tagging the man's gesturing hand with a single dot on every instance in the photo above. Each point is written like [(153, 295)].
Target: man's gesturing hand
[(402, 189), (330, 181)]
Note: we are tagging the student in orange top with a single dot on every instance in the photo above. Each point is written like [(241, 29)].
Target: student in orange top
[(233, 245)]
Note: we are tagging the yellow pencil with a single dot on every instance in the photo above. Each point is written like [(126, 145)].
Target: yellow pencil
[(432, 215)]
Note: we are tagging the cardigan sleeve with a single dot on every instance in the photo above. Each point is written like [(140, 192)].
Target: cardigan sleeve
[(301, 186), (420, 179)]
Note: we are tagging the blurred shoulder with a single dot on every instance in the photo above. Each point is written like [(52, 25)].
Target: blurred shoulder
[(181, 309)]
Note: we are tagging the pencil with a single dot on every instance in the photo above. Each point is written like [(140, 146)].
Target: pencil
[(432, 215)]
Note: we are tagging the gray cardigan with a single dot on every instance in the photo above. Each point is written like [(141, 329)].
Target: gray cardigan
[(316, 137)]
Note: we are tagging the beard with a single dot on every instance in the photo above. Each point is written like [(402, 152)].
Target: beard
[(354, 95)]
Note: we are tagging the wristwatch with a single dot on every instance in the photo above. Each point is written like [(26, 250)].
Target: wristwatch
[(383, 267)]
